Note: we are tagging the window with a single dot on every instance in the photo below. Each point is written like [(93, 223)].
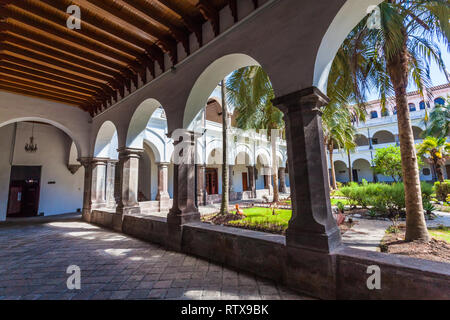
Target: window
[(422, 105), (439, 101), (412, 107), (385, 113), (426, 172), (373, 115), (395, 110), (374, 140)]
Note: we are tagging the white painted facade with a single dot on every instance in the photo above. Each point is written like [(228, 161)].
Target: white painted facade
[(382, 129)]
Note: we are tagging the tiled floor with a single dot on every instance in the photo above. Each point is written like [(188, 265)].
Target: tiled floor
[(34, 259)]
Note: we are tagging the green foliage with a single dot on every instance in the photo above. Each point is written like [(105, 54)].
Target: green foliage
[(388, 162), (442, 190), (340, 206), (428, 207), (386, 199), (438, 124)]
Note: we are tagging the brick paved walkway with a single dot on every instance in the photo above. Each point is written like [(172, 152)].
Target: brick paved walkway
[(34, 259)]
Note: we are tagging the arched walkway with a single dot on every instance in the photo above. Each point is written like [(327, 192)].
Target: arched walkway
[(362, 170)]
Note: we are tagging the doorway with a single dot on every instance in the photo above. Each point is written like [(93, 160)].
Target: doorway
[(212, 184), (355, 175), (244, 181), (24, 187)]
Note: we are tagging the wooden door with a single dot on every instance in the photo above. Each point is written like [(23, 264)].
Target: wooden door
[(212, 184), (244, 181)]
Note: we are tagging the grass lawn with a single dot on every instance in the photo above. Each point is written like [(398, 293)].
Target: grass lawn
[(263, 216), (442, 233), (334, 201)]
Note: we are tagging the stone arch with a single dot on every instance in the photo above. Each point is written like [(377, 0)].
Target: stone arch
[(361, 140), (139, 122), (363, 168), (383, 136), (350, 14), (56, 124), (263, 157), (208, 80), (214, 156), (156, 143), (106, 141), (242, 149)]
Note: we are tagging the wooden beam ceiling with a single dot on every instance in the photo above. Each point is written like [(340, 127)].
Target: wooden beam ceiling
[(119, 42)]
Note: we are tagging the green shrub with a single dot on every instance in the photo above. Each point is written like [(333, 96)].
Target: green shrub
[(427, 191), (442, 190)]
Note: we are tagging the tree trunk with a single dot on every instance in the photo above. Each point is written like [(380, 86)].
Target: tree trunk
[(333, 172), (439, 172), (350, 172), (276, 196), (397, 67), (225, 176)]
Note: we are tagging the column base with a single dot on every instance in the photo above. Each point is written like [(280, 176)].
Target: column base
[(117, 222), (86, 215), (175, 222), (322, 242), (164, 201), (99, 205), (311, 272)]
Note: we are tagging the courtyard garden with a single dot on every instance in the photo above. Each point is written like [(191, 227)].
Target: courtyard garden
[(352, 203)]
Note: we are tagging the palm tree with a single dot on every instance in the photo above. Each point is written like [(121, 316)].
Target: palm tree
[(225, 175), (438, 123), (436, 152), (338, 132), (250, 90), (386, 59)]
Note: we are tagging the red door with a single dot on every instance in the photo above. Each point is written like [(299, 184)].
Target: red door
[(212, 186), (15, 198), (244, 181)]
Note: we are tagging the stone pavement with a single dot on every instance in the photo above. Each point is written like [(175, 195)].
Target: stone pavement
[(34, 259), (366, 234)]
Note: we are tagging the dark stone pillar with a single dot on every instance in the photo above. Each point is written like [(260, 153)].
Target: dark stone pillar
[(128, 167), (268, 178), (184, 209), (282, 175), (230, 183), (87, 194), (163, 186), (312, 233), (201, 192), (110, 183), (251, 180), (98, 191)]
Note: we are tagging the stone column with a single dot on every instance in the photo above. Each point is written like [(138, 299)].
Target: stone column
[(98, 191), (87, 194), (163, 186), (282, 175), (312, 233), (128, 168), (230, 182), (251, 180), (397, 139), (201, 192), (268, 178), (184, 209), (110, 183)]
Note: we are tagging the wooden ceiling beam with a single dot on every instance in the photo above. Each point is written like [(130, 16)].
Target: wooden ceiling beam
[(22, 61), (58, 20), (62, 55), (117, 29), (26, 75), (64, 33), (149, 10), (59, 43), (165, 42), (56, 62), (210, 13), (43, 86), (192, 24)]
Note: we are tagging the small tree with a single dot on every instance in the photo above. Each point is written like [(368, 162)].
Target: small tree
[(388, 162), (436, 152)]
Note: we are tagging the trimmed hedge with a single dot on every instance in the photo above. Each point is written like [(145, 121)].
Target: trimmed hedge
[(386, 199)]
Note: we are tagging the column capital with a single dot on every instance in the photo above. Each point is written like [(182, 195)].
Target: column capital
[(130, 152), (163, 164), (85, 161), (305, 100), (98, 161)]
